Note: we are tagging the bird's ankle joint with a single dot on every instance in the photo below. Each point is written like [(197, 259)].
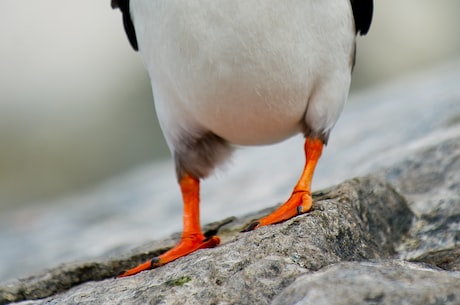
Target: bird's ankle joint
[(301, 191)]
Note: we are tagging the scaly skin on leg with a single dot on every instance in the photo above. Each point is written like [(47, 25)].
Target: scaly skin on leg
[(300, 201), (192, 237)]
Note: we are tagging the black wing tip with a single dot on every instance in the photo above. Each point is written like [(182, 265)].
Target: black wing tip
[(115, 4), (123, 5), (366, 23), (362, 12), (130, 32)]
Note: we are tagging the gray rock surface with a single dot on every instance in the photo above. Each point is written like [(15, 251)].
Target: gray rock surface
[(359, 220), (429, 178), (383, 282), (380, 237)]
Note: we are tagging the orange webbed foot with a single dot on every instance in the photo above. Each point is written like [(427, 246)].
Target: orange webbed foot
[(186, 246), (192, 237), (300, 201)]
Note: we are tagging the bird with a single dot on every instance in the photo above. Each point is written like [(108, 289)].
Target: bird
[(228, 73)]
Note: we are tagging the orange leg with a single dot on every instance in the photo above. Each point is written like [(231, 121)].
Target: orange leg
[(300, 201), (192, 236)]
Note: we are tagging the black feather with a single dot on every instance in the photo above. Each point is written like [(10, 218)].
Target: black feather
[(362, 13), (123, 5)]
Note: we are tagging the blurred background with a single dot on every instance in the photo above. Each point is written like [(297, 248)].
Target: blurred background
[(75, 102)]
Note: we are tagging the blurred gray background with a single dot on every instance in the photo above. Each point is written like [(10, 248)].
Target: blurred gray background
[(75, 102)]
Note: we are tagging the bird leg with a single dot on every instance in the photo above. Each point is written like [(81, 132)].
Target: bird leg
[(192, 237), (300, 201)]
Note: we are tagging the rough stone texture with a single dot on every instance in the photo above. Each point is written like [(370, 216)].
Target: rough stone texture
[(360, 219), (430, 180), (390, 237), (384, 283)]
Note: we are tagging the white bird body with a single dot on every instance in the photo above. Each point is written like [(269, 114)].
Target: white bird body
[(243, 72), (250, 71)]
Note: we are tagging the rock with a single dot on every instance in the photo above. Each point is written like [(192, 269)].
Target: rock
[(361, 219), (447, 259), (430, 180), (383, 282)]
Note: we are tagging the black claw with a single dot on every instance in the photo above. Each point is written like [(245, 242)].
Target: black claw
[(209, 234), (155, 262), (251, 227), (216, 227), (299, 210), (118, 275)]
